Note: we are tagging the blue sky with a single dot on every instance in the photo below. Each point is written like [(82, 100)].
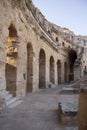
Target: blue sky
[(71, 14)]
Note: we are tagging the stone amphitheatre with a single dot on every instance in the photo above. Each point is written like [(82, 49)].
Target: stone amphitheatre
[(37, 55)]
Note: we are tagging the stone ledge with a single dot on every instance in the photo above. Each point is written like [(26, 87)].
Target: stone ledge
[(70, 90)]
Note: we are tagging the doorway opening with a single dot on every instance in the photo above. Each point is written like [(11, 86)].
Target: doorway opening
[(29, 87), (72, 57), (65, 72), (59, 71), (42, 69), (52, 69)]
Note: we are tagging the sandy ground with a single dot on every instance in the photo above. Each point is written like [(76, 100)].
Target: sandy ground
[(38, 111)]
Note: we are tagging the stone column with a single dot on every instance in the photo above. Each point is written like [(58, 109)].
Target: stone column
[(2, 72), (2, 86), (36, 73), (21, 71)]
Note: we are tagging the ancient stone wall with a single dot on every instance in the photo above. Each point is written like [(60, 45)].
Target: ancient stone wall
[(30, 46)]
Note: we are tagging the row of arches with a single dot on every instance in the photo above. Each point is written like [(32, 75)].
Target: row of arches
[(11, 65), (42, 70)]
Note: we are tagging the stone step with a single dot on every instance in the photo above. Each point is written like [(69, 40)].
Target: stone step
[(11, 101), (15, 104), (7, 93)]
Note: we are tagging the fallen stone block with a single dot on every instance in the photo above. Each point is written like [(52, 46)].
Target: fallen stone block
[(68, 112)]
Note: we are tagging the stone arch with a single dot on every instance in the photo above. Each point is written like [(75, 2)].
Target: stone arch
[(63, 43), (52, 69), (29, 87), (42, 69), (65, 72), (59, 69), (56, 39), (72, 58), (11, 60), (12, 31)]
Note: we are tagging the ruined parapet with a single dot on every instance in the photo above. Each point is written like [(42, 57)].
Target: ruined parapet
[(65, 33), (78, 63), (50, 28), (81, 62)]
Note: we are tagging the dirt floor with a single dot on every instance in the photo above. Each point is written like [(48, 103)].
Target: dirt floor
[(38, 111)]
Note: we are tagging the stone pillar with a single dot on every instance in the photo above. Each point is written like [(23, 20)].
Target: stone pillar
[(2, 78), (21, 69), (36, 73), (82, 113), (21, 76), (2, 87)]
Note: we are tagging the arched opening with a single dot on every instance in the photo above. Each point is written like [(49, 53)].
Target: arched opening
[(72, 57), (65, 72), (59, 71), (49, 31), (29, 87), (52, 69), (63, 44), (42, 69), (57, 39), (11, 60)]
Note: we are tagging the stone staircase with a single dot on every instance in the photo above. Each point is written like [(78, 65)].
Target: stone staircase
[(11, 102)]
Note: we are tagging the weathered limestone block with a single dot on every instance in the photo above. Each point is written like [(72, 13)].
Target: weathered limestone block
[(70, 90), (68, 112)]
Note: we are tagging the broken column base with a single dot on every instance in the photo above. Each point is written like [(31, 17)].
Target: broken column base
[(68, 113)]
